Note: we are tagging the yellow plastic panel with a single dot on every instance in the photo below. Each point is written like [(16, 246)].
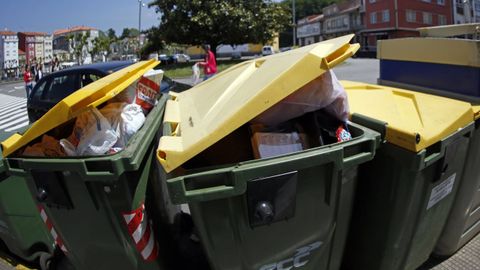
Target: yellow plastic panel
[(450, 51), (213, 109), (409, 113), (70, 107), (476, 112)]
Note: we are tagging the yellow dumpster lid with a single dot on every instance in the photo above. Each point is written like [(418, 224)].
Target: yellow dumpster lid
[(211, 110), (70, 107), (476, 112), (409, 113)]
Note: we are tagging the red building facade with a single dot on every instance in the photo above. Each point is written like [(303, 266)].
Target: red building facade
[(28, 43), (386, 19)]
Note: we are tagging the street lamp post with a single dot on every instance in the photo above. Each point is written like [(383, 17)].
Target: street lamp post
[(140, 5), (294, 24)]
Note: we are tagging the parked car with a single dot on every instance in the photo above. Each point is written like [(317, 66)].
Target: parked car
[(181, 58), (166, 59), (267, 50), (56, 86)]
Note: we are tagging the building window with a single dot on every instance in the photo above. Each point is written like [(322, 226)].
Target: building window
[(386, 15), (428, 1), (427, 18), (373, 17), (411, 16), (442, 20), (441, 2), (372, 1)]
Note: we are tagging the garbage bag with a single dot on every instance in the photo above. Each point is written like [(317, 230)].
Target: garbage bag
[(125, 119), (324, 92), (48, 147), (92, 135), (196, 74)]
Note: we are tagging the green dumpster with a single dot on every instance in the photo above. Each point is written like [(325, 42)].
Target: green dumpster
[(406, 193), (96, 205), (21, 228), (464, 221), (283, 212)]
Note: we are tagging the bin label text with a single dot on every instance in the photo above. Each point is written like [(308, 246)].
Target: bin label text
[(298, 260), (441, 191)]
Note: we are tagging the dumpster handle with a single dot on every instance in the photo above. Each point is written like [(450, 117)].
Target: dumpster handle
[(367, 152), (228, 187)]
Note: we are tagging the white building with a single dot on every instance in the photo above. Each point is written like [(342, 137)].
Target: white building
[(61, 41), (8, 54), (47, 52), (309, 30), (466, 11)]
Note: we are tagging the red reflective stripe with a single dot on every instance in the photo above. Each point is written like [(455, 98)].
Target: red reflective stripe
[(149, 83), (135, 222), (144, 240), (154, 253)]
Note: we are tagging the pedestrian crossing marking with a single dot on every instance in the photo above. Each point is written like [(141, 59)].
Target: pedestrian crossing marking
[(13, 113)]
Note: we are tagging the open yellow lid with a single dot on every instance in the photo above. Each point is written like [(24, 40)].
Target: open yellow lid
[(211, 110), (70, 107), (414, 120)]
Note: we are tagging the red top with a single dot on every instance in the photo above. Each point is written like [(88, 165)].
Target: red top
[(27, 77), (211, 64)]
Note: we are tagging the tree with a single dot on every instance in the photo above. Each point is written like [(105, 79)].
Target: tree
[(101, 44), (129, 32), (77, 42), (220, 22), (111, 34)]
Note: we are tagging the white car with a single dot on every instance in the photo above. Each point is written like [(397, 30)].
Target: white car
[(181, 58), (267, 50)]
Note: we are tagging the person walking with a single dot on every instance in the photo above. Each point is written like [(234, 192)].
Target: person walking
[(27, 78), (39, 74), (210, 64)]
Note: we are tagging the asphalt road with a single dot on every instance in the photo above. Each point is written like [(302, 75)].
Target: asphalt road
[(353, 69), (16, 89)]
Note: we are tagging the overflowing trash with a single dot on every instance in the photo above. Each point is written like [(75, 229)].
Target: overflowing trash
[(319, 111), (108, 129)]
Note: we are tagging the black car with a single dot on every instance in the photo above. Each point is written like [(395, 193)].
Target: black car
[(56, 86)]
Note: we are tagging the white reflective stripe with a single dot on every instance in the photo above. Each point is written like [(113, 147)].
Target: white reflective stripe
[(140, 231), (63, 248), (43, 215), (54, 234), (147, 251), (128, 217)]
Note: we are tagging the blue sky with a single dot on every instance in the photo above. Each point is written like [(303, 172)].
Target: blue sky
[(50, 15)]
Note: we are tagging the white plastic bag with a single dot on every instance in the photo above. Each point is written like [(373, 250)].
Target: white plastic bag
[(196, 74), (92, 135), (125, 119), (323, 92)]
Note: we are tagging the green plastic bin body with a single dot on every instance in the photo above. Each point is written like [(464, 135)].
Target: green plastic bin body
[(21, 228), (285, 212), (90, 200), (464, 221), (403, 201)]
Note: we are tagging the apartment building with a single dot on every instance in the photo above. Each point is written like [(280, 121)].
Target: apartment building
[(386, 19), (62, 42), (8, 54)]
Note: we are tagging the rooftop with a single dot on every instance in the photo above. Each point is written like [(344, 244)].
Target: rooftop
[(7, 33), (73, 29), (33, 33)]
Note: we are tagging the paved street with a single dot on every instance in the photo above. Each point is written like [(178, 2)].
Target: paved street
[(13, 112), (16, 89)]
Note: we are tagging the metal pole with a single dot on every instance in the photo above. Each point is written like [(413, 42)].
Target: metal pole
[(139, 20), (294, 23)]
